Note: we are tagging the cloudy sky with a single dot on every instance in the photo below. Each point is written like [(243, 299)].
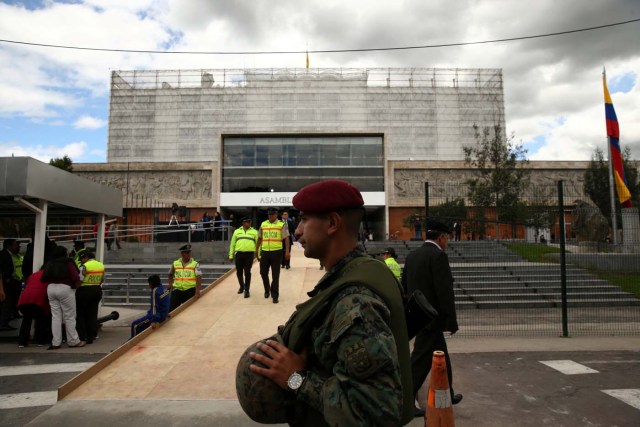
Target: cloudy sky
[(56, 101)]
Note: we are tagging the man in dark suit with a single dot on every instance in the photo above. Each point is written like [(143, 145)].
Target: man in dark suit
[(427, 269)]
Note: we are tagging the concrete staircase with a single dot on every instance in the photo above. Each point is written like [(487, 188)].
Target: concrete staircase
[(126, 285), (164, 253), (487, 275), (532, 285)]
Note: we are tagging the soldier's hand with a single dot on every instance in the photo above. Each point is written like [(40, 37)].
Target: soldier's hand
[(230, 259), (280, 362), (155, 325)]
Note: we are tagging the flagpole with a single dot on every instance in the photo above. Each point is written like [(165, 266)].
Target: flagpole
[(612, 189), (614, 219)]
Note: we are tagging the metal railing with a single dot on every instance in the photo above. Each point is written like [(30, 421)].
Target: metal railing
[(194, 231)]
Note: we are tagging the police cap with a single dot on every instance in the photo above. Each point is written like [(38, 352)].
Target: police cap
[(328, 196), (185, 248), (390, 251), (435, 225), (246, 218), (272, 211)]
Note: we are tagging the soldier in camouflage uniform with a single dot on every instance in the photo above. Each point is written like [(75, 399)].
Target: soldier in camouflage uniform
[(343, 356)]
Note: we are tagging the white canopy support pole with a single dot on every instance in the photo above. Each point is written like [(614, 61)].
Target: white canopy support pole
[(100, 238), (40, 230)]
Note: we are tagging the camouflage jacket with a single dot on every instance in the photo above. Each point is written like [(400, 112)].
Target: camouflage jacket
[(353, 371)]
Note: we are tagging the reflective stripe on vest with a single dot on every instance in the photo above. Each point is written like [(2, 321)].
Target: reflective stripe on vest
[(93, 273), (184, 276), (271, 235)]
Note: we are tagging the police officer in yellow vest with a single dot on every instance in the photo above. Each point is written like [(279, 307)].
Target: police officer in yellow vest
[(17, 265), (390, 256), (78, 250), (273, 240), (185, 278), (88, 296), (243, 248)]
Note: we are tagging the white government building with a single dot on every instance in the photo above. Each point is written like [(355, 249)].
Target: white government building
[(240, 140)]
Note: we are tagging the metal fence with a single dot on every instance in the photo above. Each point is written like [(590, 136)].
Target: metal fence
[(544, 265), (149, 233)]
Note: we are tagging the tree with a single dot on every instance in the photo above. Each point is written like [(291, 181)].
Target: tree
[(503, 173), (541, 211), (596, 183), (64, 163), (450, 211)]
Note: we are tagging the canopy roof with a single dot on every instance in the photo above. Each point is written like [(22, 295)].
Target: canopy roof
[(32, 180)]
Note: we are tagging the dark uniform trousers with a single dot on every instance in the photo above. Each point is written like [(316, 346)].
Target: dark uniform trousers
[(286, 263), (179, 297), (42, 330), (273, 260), (428, 341), (12, 289), (87, 303), (244, 261)]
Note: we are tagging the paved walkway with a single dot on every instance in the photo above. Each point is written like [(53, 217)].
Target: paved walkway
[(183, 374)]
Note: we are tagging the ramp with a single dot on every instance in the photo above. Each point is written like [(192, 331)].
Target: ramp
[(184, 372)]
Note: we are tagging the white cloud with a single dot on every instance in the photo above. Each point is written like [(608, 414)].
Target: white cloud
[(544, 79), (88, 122), (75, 150)]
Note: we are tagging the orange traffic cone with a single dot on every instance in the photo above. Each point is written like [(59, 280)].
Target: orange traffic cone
[(439, 409)]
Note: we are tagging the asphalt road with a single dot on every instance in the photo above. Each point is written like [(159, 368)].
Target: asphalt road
[(592, 388), (30, 377), (29, 382), (525, 382)]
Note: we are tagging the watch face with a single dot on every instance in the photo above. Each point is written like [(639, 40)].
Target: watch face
[(295, 381)]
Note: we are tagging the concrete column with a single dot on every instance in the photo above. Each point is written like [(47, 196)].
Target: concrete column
[(40, 235), (40, 229), (100, 239)]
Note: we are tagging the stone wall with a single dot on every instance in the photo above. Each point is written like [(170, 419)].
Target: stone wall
[(189, 184), (197, 184), (409, 177)]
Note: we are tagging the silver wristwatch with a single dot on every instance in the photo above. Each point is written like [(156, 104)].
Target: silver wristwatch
[(295, 381)]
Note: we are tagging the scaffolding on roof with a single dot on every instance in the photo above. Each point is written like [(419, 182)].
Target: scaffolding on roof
[(374, 77), (424, 113)]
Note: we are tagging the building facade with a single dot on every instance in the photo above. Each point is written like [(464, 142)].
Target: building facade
[(239, 141)]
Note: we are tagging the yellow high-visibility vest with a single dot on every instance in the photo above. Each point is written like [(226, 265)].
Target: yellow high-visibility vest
[(184, 276), (17, 266), (93, 273), (271, 235), (243, 241), (394, 267)]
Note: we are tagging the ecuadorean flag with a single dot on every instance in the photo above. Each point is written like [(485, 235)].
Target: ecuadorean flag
[(613, 132)]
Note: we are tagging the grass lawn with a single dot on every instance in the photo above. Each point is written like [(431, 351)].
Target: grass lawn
[(534, 252), (628, 282)]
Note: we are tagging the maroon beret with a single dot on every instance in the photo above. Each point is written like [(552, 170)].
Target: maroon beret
[(328, 196)]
